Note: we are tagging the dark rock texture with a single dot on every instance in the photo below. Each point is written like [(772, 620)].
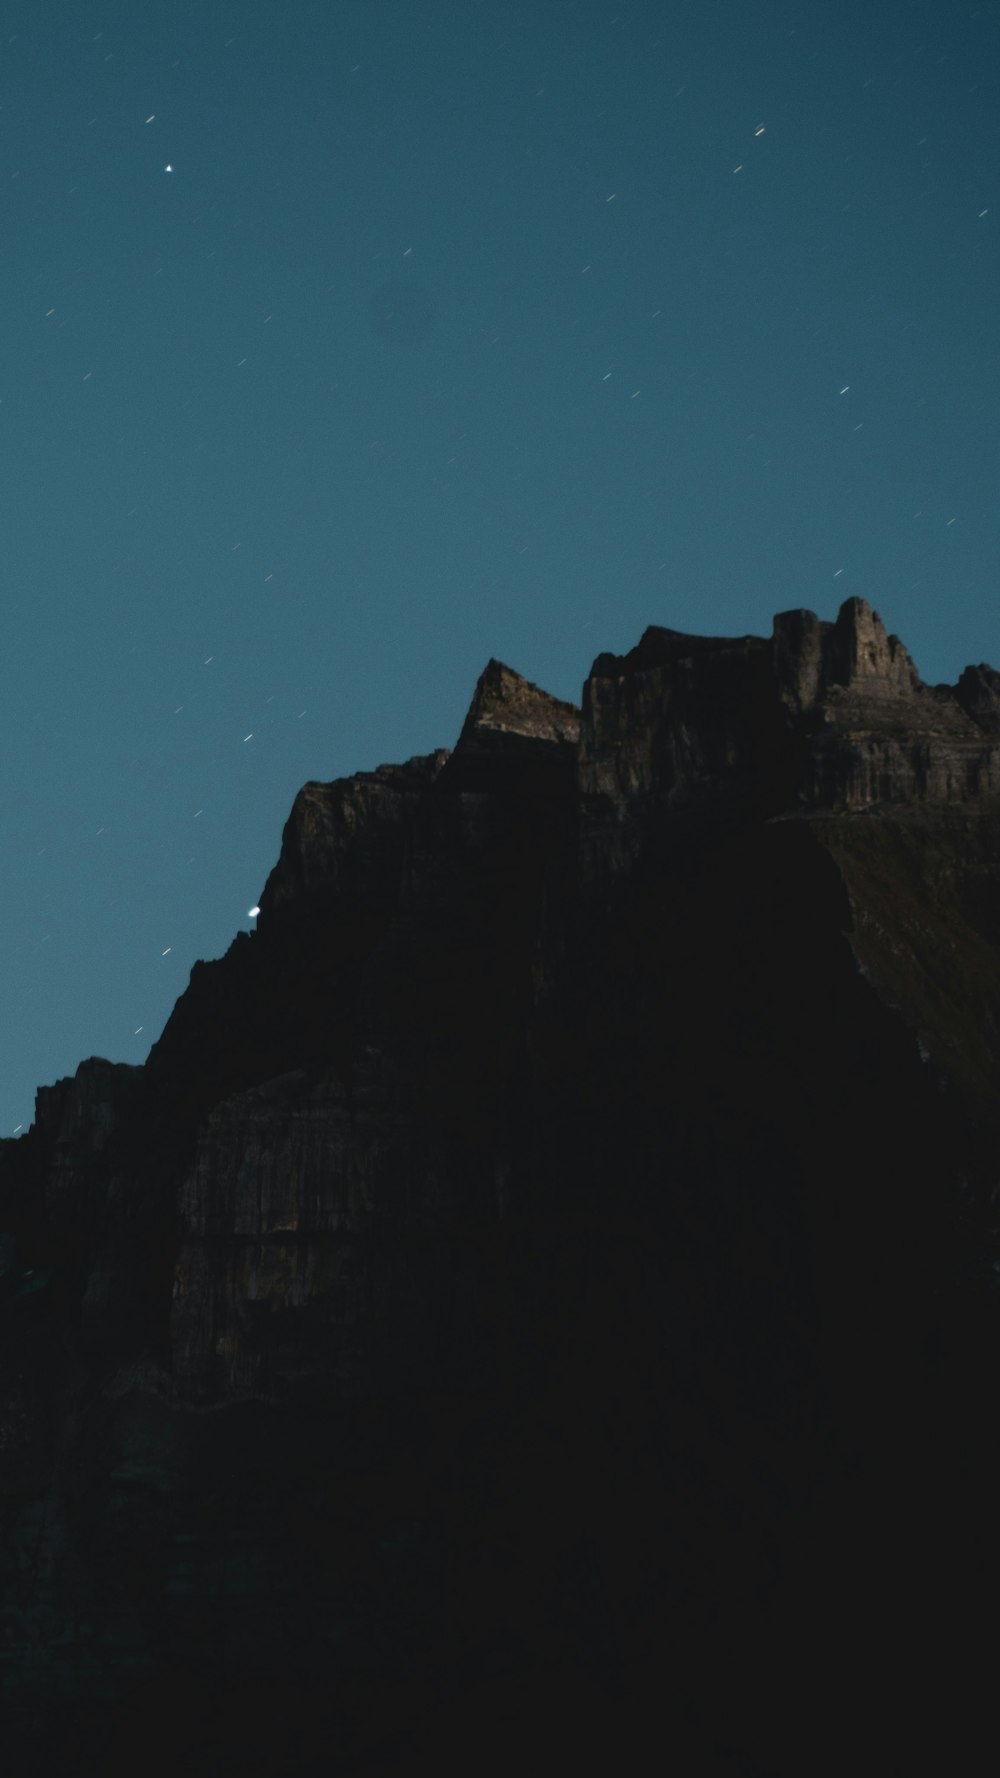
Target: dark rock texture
[(538, 1303)]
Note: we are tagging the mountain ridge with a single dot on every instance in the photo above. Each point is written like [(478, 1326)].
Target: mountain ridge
[(536, 1256)]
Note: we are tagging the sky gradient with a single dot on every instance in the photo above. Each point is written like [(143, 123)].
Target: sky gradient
[(348, 344)]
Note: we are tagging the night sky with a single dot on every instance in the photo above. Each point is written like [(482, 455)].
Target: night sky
[(347, 344)]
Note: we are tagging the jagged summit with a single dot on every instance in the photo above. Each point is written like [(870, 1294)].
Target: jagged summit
[(505, 702), (514, 731), (854, 653), (821, 715), (978, 692), (810, 655)]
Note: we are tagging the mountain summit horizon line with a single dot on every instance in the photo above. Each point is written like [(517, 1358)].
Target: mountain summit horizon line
[(822, 714)]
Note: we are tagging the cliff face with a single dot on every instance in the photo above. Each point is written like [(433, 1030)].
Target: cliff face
[(822, 716), (547, 1270)]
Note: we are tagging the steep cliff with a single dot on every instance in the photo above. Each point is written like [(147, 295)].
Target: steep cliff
[(540, 1291)]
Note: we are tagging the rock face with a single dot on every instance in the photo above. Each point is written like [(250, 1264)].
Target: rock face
[(540, 1290), (824, 716)]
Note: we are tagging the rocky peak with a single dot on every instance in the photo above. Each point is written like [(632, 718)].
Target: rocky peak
[(860, 652), (505, 703), (978, 692), (826, 715), (513, 728), (854, 654)]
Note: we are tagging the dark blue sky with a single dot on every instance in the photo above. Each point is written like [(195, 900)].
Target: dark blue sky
[(455, 330)]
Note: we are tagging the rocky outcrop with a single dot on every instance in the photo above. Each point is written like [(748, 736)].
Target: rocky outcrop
[(875, 733), (344, 845), (826, 715), (543, 1272), (700, 731), (978, 692), (513, 729), (504, 704)]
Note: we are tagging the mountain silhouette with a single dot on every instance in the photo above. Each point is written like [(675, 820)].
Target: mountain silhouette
[(537, 1306)]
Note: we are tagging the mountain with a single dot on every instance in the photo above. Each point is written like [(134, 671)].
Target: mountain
[(537, 1307)]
